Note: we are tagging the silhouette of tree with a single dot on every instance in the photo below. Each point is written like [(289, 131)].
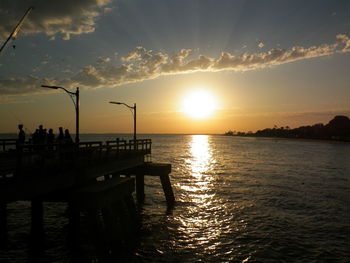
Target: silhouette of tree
[(337, 129)]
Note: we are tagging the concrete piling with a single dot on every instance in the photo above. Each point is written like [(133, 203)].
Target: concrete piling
[(168, 190), (3, 222), (140, 188), (37, 214)]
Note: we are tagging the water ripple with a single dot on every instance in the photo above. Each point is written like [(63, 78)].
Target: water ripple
[(258, 200)]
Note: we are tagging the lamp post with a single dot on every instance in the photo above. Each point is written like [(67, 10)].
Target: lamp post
[(76, 106), (133, 113)]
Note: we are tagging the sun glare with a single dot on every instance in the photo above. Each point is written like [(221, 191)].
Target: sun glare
[(199, 104)]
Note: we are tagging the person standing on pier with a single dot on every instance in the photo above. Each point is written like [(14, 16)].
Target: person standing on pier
[(41, 135), (21, 134), (60, 137), (35, 137), (67, 137), (50, 139)]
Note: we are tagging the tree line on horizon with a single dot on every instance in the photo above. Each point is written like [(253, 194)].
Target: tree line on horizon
[(336, 129)]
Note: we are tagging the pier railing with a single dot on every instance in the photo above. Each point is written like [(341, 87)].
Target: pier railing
[(142, 144), (14, 156), (8, 145)]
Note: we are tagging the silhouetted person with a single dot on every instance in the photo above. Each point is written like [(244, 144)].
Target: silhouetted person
[(67, 137), (44, 136), (41, 135), (21, 134), (35, 137), (60, 137), (50, 139)]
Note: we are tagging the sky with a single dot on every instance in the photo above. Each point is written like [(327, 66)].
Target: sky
[(246, 64)]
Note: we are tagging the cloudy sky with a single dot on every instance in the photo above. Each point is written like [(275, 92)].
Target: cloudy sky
[(263, 63)]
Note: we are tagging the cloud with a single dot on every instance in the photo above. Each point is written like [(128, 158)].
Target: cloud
[(102, 60), (344, 39), (143, 64), (64, 17), (20, 85)]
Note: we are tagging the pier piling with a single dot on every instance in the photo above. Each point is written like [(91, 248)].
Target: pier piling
[(74, 222), (3, 222), (161, 170), (130, 204), (140, 188), (168, 190), (37, 213)]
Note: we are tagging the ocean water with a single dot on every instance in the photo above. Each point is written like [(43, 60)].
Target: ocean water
[(238, 200)]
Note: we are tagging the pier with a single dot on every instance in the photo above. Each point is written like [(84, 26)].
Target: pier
[(94, 178)]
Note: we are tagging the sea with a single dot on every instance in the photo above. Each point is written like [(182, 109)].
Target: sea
[(238, 199)]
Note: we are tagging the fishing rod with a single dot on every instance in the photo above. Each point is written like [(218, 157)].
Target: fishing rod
[(17, 28)]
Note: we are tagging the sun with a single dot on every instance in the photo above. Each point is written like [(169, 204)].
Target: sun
[(199, 104)]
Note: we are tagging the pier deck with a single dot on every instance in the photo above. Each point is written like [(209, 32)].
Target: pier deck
[(29, 171), (88, 176)]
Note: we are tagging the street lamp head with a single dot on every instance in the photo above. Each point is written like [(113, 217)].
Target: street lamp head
[(76, 106), (50, 87), (133, 111)]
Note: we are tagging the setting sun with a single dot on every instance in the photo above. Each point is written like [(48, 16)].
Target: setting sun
[(199, 104)]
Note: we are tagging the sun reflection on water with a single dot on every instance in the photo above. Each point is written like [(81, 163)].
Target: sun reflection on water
[(200, 223), (201, 155)]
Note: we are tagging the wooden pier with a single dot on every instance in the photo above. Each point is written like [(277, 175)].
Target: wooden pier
[(94, 178)]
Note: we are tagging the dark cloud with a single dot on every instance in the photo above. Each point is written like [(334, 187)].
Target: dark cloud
[(52, 17)]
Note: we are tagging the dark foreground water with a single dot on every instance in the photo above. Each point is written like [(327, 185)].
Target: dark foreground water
[(238, 200)]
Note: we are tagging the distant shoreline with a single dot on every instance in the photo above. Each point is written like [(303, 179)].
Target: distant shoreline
[(290, 138), (337, 129)]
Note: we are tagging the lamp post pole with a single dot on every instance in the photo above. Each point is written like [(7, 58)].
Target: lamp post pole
[(76, 106), (77, 139), (135, 122), (133, 113)]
